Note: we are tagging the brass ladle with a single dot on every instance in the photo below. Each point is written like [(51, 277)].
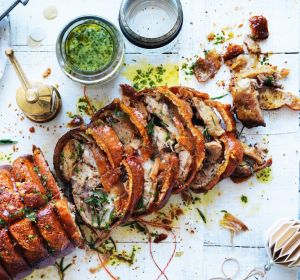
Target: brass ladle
[(39, 102)]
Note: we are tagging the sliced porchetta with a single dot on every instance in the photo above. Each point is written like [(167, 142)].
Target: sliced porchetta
[(223, 155), (255, 159), (173, 115), (223, 152), (160, 170), (104, 196)]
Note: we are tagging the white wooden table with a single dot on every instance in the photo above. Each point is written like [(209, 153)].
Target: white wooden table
[(206, 249)]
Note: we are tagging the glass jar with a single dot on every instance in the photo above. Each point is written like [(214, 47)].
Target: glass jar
[(105, 72), (151, 25)]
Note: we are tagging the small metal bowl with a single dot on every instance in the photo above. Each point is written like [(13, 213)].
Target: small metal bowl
[(151, 24), (102, 75)]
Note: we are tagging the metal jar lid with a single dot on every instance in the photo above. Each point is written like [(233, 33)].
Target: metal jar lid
[(132, 8)]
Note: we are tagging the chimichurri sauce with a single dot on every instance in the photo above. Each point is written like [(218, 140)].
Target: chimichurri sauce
[(89, 47)]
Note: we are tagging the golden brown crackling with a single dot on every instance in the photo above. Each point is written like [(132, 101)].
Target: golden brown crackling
[(245, 99), (109, 142), (188, 93), (233, 51), (136, 120), (206, 68), (28, 183), (135, 172), (68, 222), (51, 230), (225, 112), (41, 163), (168, 176), (259, 27), (11, 258), (236, 154), (29, 241), (8, 196), (108, 175)]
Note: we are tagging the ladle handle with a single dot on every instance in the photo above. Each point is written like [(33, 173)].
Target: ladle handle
[(24, 2), (19, 71)]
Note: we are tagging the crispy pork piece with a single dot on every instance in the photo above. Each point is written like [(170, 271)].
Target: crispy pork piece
[(259, 27), (245, 100), (11, 258), (11, 206), (251, 45), (108, 140), (28, 183), (47, 177), (52, 232), (272, 98), (27, 237), (66, 215), (232, 51), (254, 160), (206, 68), (3, 274)]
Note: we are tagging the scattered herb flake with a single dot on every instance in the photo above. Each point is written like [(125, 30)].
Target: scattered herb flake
[(201, 215), (244, 199)]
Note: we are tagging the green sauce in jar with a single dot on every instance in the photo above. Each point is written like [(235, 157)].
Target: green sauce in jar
[(89, 47)]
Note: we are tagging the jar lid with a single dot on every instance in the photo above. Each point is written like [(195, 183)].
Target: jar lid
[(151, 24)]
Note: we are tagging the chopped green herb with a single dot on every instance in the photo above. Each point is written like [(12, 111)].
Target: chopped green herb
[(219, 97), (150, 77), (269, 81), (137, 226), (31, 236), (97, 199), (219, 39), (7, 141), (206, 135), (201, 215), (2, 223), (150, 127), (244, 199), (30, 214), (36, 169), (223, 211)]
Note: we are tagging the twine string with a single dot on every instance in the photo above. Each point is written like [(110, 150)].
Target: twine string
[(257, 271)]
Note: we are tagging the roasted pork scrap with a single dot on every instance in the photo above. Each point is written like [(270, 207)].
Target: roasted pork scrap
[(259, 27)]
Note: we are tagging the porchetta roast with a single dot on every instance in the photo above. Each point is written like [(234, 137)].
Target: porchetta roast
[(125, 163), (140, 149)]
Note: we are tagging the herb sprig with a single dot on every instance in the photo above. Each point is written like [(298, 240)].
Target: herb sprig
[(61, 268), (7, 141)]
